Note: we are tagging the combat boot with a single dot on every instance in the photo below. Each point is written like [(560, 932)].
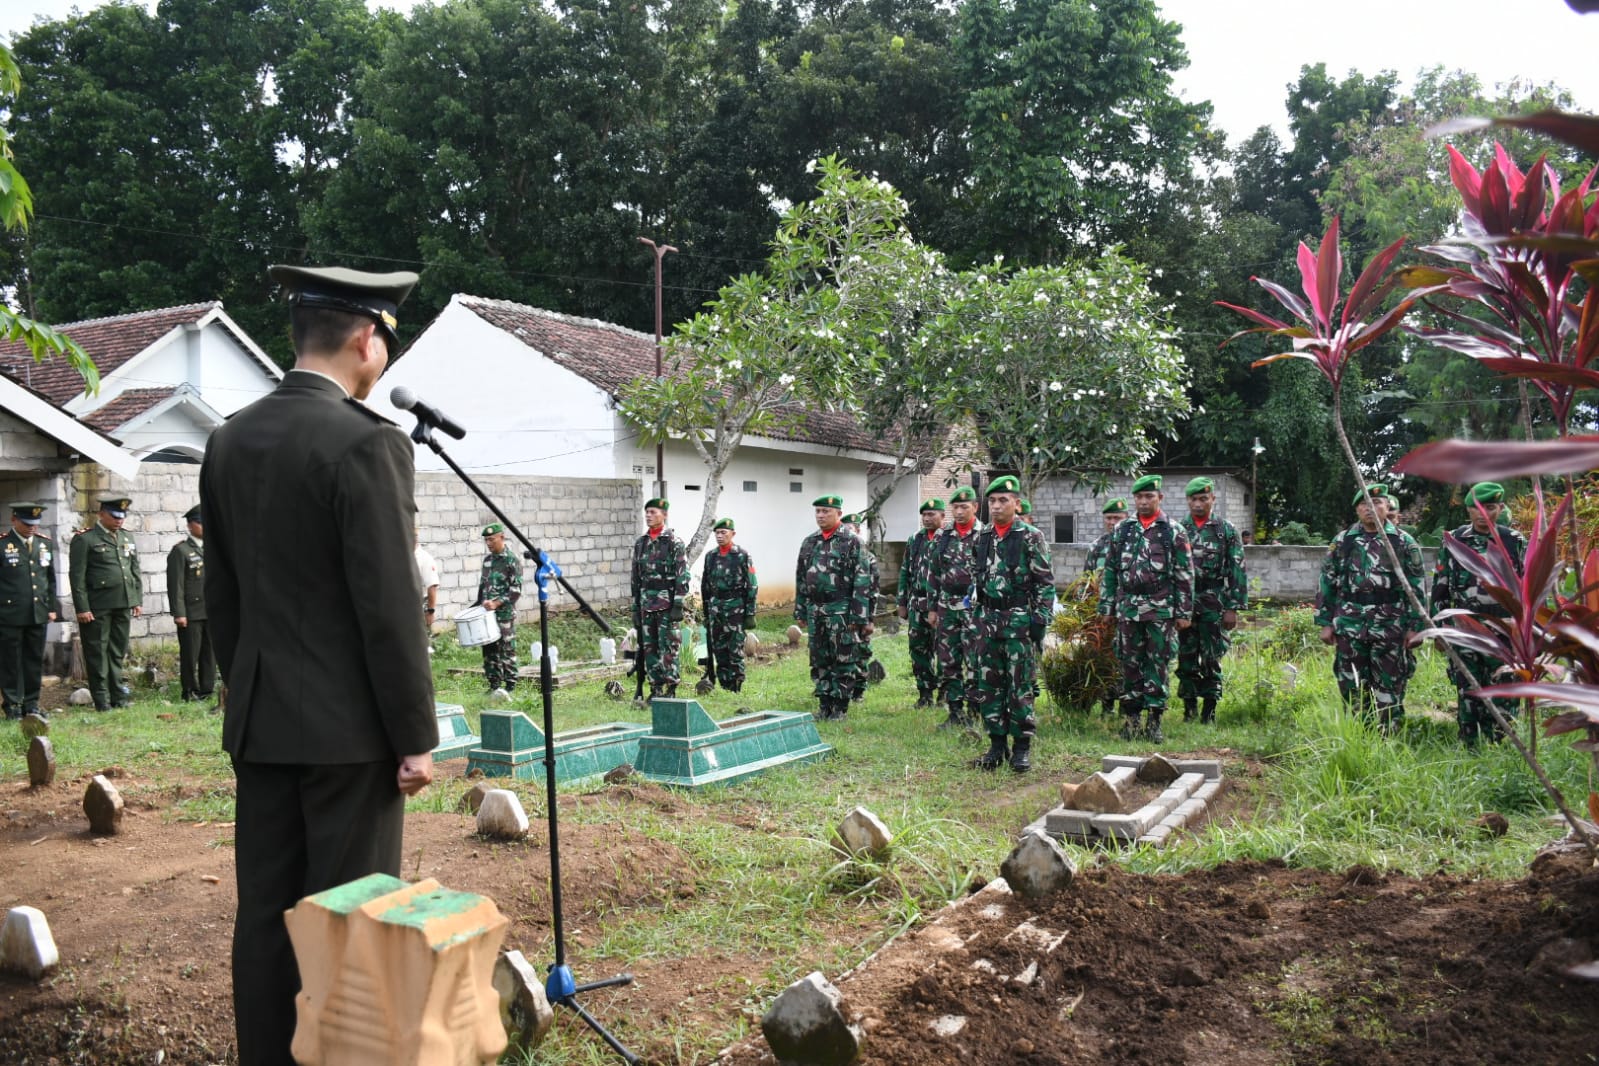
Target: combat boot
[(1207, 713), (1130, 730), (1152, 731), (1190, 709), (924, 699), (995, 754), (957, 716), (1021, 755)]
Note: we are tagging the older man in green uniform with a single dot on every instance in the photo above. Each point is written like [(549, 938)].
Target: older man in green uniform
[(832, 599), (1220, 591), (728, 587), (1456, 588), (499, 587), (1015, 597), (107, 592), (27, 606), (914, 600), (1148, 585), (197, 665), (1365, 614), (659, 585), (951, 582)]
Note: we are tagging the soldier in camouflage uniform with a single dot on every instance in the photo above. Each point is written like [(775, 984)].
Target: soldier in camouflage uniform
[(1015, 597), (1455, 587), (1114, 513), (1365, 615), (914, 599), (728, 588), (863, 651), (833, 600), (1148, 587), (950, 580), (499, 586), (659, 584), (1220, 591)]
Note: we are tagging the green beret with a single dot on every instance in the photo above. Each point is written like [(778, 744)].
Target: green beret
[(851, 519), (1486, 492), (1198, 485), (1147, 483), (493, 528), (1027, 507), (357, 292), (1377, 492), (657, 502), (964, 494), (27, 511), (1116, 506), (116, 506), (933, 504), (722, 523), (835, 502), (1008, 483)]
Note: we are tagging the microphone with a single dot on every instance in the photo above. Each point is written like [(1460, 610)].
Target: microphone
[(406, 400)]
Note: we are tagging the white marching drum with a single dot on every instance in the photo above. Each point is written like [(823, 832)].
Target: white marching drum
[(475, 627)]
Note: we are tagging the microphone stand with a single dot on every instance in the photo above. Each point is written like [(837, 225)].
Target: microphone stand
[(560, 987)]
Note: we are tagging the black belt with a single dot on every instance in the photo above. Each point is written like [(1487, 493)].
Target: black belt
[(1004, 603), (1377, 597), (656, 586)]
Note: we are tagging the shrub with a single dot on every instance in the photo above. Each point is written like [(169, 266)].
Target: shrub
[(1081, 671)]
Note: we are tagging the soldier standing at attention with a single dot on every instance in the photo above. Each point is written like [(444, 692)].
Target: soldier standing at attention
[(1148, 587), (107, 592), (915, 601), (499, 586), (1365, 615), (660, 581), (832, 599), (1114, 514), (197, 667), (950, 581), (863, 650), (728, 587), (27, 606), (1453, 586), (1220, 591), (1015, 597)]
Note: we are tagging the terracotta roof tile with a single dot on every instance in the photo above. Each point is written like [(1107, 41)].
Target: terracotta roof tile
[(110, 342), (125, 408), (611, 356)]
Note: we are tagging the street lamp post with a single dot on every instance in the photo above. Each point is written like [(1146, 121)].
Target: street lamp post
[(660, 450), (1254, 484)]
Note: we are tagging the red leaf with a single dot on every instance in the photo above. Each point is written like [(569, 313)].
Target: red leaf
[(1307, 279), (1583, 698), (1466, 179), (1286, 298), (1464, 462), (1579, 131), (1366, 284), (1329, 270), (1557, 373)]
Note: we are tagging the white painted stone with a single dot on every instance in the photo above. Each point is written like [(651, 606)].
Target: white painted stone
[(501, 816), (499, 695), (1037, 867), (525, 1009), (26, 946), (947, 1025), (1027, 976), (752, 643), (81, 697), (862, 832), (794, 635), (807, 1023)]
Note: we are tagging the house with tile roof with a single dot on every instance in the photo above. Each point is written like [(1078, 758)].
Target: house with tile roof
[(536, 392), (168, 377)]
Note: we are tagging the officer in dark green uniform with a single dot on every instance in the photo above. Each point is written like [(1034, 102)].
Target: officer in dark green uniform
[(107, 592), (728, 588), (659, 584), (197, 667), (27, 605)]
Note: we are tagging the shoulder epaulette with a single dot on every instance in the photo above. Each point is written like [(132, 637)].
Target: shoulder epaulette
[(364, 409)]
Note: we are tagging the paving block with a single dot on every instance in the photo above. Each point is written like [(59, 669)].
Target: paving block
[(1207, 791), (1061, 822), (1120, 826), (1211, 768), (1191, 809), (1118, 762), (1189, 782)]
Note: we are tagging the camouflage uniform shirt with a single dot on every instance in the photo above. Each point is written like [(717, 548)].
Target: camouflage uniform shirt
[(1095, 559), (1149, 573), (1218, 553), (914, 592), (660, 574), (501, 579), (833, 577), (1455, 586), (728, 584), (1360, 594)]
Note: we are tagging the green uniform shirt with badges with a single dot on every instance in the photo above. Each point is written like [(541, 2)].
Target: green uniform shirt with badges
[(186, 579), (27, 579), (105, 570)]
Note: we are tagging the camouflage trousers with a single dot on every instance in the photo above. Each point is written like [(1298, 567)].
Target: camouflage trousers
[(1471, 715), (499, 658), (863, 659), (1200, 648), (724, 640), (1006, 673), (1372, 673), (924, 659), (1144, 650), (955, 647), (658, 641), (834, 653)]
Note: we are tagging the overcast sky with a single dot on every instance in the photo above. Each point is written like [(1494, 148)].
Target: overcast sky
[(1245, 53)]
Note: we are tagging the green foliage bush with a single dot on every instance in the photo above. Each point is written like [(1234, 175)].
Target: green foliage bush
[(1298, 533), (1082, 671)]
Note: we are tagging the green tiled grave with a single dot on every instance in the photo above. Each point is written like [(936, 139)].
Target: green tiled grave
[(685, 747), (513, 746), (456, 739)]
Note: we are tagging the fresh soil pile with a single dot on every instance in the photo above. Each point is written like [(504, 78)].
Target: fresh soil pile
[(1251, 963)]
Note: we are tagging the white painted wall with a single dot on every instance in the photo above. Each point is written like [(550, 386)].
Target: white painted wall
[(173, 428), (902, 515), (225, 375), (522, 414)]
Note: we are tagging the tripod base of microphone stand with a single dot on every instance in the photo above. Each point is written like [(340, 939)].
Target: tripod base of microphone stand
[(562, 990)]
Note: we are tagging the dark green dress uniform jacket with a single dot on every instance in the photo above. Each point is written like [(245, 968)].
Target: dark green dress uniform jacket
[(105, 570), (27, 579), (186, 581), (311, 584)]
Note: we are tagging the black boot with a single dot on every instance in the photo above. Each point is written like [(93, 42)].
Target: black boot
[(1130, 730), (924, 699), (957, 716), (995, 754), (1152, 726), (1021, 755), (1207, 713), (1190, 709)]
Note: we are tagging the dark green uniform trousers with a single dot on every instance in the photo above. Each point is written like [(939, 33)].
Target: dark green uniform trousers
[(298, 830), (105, 649), (21, 668), (197, 666)]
